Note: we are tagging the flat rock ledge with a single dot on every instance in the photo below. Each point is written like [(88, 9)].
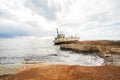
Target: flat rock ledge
[(104, 47)]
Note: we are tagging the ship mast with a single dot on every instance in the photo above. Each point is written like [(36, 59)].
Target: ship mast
[(57, 31)]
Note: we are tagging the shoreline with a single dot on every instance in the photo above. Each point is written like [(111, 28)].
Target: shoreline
[(109, 50), (46, 71), (49, 71)]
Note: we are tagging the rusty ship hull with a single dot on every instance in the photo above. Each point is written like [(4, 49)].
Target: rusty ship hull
[(61, 39), (64, 42)]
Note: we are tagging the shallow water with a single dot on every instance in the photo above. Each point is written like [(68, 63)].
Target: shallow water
[(17, 51)]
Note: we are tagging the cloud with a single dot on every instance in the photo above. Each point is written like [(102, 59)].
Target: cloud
[(93, 16), (42, 8), (90, 19)]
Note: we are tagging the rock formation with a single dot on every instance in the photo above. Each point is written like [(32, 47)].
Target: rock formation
[(102, 46)]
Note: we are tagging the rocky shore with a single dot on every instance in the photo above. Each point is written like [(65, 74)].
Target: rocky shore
[(104, 47), (110, 50), (65, 72)]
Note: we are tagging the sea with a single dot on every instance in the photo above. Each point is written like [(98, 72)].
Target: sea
[(14, 52)]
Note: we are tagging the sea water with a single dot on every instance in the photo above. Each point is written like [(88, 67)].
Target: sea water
[(16, 51)]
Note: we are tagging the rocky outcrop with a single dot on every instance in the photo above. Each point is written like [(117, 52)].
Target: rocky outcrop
[(115, 50), (104, 47), (79, 47)]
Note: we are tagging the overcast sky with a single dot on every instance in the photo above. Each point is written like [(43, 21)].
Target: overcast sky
[(90, 19)]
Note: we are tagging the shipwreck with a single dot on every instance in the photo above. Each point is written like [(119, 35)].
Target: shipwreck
[(61, 39)]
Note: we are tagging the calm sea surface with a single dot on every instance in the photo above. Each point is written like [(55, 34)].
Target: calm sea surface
[(16, 51)]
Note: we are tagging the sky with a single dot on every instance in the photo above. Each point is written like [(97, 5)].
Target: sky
[(89, 19)]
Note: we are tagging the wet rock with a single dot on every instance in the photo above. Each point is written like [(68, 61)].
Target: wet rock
[(53, 55)]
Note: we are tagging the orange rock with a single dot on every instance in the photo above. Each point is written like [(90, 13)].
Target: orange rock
[(67, 72)]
